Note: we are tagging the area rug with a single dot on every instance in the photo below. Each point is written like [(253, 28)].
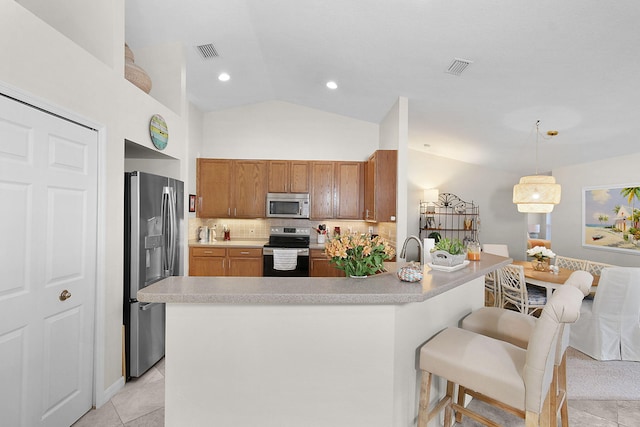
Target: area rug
[(589, 379)]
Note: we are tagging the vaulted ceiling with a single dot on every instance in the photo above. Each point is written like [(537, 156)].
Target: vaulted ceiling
[(570, 64)]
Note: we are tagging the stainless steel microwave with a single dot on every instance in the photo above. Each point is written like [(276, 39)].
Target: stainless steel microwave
[(288, 205)]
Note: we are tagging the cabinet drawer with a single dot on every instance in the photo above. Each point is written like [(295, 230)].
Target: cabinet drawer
[(318, 253), (245, 252), (219, 252)]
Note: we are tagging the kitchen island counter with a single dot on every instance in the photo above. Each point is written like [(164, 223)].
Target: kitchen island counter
[(311, 352), (384, 288)]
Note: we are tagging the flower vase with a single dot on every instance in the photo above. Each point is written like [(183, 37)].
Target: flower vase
[(539, 264)]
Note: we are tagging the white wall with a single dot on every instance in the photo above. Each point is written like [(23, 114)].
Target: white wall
[(394, 135), (281, 130), (46, 68), (491, 190), (567, 216)]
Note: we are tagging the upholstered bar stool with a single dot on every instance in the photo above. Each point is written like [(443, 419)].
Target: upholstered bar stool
[(516, 328), (495, 371)]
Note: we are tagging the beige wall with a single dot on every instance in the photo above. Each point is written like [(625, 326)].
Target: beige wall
[(281, 130), (566, 218), (490, 189), (44, 67)]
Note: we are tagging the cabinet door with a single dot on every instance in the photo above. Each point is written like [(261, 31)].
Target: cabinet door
[(348, 190), (278, 176), (213, 186), (249, 188), (246, 262), (385, 185), (206, 262), (299, 177), (319, 265), (369, 189), (322, 190)]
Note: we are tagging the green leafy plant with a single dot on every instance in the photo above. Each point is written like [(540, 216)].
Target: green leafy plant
[(453, 246), (359, 254)]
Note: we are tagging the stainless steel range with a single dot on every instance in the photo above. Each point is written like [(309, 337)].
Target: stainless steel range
[(287, 253)]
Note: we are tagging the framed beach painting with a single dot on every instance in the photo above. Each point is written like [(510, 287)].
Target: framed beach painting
[(611, 218)]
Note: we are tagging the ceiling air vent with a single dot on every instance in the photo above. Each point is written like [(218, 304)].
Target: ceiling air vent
[(458, 65), (207, 51)]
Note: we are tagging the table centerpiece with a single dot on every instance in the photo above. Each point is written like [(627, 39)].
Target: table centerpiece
[(542, 256)]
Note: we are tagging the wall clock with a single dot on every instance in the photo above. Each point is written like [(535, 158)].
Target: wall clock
[(159, 132)]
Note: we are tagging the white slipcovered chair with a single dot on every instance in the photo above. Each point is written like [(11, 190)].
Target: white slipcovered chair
[(516, 328), (609, 327), (495, 371), (490, 283)]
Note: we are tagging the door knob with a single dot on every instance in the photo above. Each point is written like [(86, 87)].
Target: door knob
[(65, 295)]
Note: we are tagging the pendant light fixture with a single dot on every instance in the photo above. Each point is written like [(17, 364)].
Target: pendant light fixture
[(537, 193)]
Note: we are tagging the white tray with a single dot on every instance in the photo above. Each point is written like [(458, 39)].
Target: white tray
[(449, 269)]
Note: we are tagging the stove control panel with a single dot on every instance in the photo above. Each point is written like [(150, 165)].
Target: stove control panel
[(290, 231)]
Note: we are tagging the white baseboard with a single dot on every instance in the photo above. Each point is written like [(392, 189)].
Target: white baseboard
[(111, 391)]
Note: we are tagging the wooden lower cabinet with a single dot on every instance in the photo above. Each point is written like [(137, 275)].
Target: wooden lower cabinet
[(245, 262), (319, 265), (207, 261)]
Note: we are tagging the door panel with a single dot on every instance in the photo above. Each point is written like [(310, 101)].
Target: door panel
[(48, 221)]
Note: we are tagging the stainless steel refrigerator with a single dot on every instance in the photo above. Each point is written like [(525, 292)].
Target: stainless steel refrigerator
[(154, 211)]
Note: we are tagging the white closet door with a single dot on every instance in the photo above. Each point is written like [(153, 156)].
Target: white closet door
[(48, 198)]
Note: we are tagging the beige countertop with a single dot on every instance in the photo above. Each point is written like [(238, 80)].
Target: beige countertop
[(383, 288)]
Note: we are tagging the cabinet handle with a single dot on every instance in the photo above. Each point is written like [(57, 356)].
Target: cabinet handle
[(200, 203), (235, 211), (208, 252), (244, 253), (228, 211)]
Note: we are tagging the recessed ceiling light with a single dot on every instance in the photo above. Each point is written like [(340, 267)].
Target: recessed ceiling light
[(223, 77), (426, 145), (332, 85)]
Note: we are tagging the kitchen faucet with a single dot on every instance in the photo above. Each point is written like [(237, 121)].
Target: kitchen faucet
[(403, 253)]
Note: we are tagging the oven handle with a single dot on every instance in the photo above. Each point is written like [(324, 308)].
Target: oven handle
[(301, 251)]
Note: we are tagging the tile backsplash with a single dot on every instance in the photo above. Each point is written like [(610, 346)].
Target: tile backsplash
[(258, 229)]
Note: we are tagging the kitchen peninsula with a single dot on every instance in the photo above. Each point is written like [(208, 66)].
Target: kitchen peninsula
[(269, 351)]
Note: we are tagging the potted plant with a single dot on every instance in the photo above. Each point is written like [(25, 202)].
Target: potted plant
[(358, 255), (448, 252)]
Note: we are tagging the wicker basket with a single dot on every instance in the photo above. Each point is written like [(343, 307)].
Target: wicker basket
[(410, 273), (446, 259)]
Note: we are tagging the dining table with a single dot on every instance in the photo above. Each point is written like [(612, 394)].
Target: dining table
[(548, 279)]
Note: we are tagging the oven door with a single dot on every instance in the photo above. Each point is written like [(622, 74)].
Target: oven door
[(302, 264)]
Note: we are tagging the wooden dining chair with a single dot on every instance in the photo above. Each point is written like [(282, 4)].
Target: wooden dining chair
[(497, 372), (516, 328), (515, 291), (570, 263)]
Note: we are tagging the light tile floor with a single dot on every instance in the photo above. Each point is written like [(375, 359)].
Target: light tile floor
[(141, 403)]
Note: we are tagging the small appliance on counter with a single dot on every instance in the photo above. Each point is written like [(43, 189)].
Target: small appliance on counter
[(154, 209)]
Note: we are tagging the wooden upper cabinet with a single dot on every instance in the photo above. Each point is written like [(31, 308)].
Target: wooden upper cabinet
[(380, 186), (322, 190), (288, 176), (213, 186), (349, 190), (231, 188), (278, 176), (299, 177), (250, 188)]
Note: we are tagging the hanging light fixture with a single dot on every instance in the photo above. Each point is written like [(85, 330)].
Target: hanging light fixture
[(537, 193)]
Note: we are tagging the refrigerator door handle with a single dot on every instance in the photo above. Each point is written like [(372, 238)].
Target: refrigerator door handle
[(169, 230)]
